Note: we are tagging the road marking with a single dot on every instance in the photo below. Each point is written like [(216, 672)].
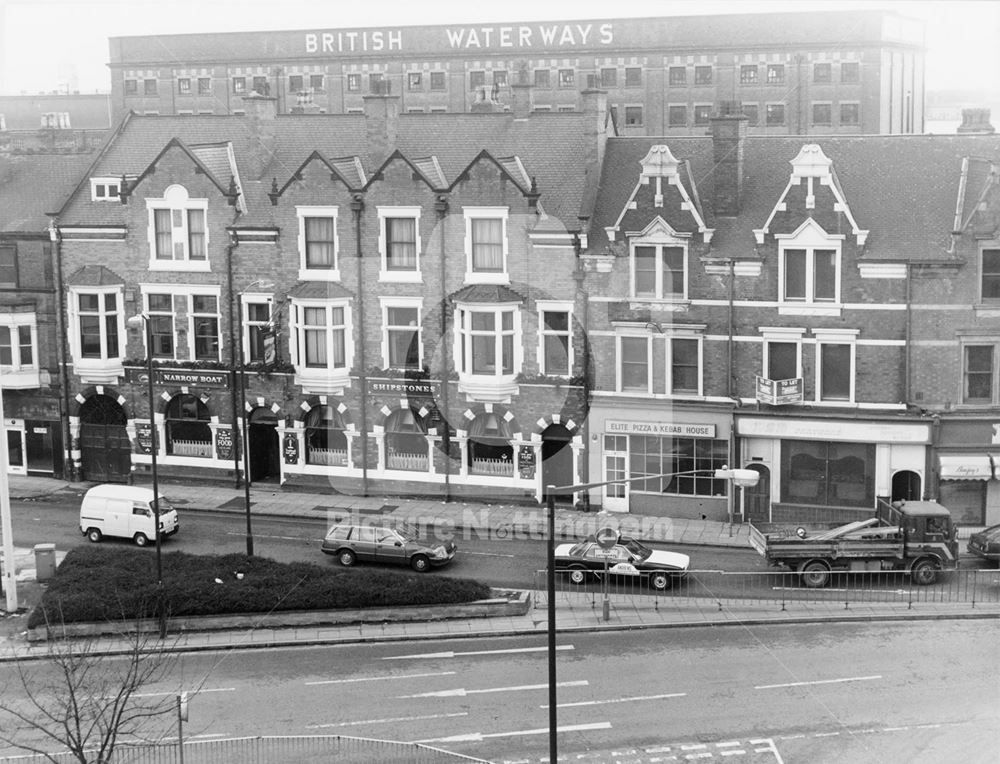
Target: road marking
[(462, 692), (733, 752), (386, 721), (478, 737), (376, 678), (452, 654), (818, 681), (310, 539), (487, 554), (174, 692), (619, 700)]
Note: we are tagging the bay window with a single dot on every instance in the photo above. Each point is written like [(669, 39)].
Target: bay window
[(322, 346), (488, 349), (98, 319)]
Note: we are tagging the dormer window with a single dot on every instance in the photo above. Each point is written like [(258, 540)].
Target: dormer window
[(486, 245), (105, 189), (178, 231), (809, 269)]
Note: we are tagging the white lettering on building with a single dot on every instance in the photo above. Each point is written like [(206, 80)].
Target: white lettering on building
[(353, 42), (556, 35)]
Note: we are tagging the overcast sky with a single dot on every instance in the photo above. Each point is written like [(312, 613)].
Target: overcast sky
[(49, 44)]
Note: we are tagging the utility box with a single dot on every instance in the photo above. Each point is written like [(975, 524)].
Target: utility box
[(45, 561)]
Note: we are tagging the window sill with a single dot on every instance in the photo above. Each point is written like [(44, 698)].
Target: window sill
[(322, 381), (810, 309), (488, 389), (987, 310), (98, 371), (319, 274), (676, 304), (401, 277), (22, 379), (186, 266)]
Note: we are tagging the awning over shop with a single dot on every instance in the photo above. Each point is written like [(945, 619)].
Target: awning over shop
[(965, 467)]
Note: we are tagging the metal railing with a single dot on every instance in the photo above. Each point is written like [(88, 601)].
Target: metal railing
[(294, 749), (782, 589)]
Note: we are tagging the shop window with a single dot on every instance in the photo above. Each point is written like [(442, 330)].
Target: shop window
[(160, 309), (178, 236), (774, 114), (490, 450), (822, 114), (781, 360), (318, 243), (677, 75), (184, 86), (850, 71), (828, 473), (353, 82), (567, 78), (665, 457), (555, 337), (414, 81), (239, 85), (187, 424), (633, 364), (8, 266), (205, 327), (437, 81), (633, 77), (543, 78), (659, 271), (749, 74), (821, 72), (810, 275), (204, 86), (965, 499), (850, 113), (326, 441), (401, 336), (835, 371), (752, 113), (609, 78), (405, 442), (677, 116), (98, 319), (633, 116), (703, 75), (685, 366), (775, 74), (702, 114), (979, 374)]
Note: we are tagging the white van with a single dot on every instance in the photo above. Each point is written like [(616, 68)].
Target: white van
[(126, 511)]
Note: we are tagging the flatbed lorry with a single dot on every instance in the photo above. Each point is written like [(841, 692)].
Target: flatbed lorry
[(913, 536)]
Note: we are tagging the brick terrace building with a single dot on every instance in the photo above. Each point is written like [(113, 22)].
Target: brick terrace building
[(806, 73)]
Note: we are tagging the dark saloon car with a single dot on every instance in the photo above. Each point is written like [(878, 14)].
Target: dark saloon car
[(373, 543), (986, 543), (627, 558)]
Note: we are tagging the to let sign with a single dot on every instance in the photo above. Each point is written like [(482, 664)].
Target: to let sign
[(779, 392)]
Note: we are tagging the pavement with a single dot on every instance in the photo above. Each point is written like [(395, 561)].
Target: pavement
[(575, 611)]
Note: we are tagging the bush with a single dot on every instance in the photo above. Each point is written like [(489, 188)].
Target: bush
[(107, 584)]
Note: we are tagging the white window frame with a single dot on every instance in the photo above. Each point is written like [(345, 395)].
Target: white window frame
[(402, 302), (248, 299), (847, 337), (318, 274), (15, 375), (172, 315), (553, 306), (106, 367), (788, 336), (497, 386), (192, 316), (669, 372), (649, 364), (187, 292), (810, 238), (385, 214), (479, 213), (971, 341), (658, 242), (329, 379), (100, 189), (176, 199), (642, 115)]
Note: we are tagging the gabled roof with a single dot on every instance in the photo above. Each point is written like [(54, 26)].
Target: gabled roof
[(978, 197), (418, 170), (94, 275), (212, 153), (221, 162), (32, 184), (510, 167)]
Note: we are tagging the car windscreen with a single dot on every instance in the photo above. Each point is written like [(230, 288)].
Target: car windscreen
[(637, 550), (165, 506)]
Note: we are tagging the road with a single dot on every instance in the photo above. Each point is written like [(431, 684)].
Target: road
[(903, 692)]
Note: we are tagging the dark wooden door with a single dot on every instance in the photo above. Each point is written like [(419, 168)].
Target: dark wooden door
[(105, 450)]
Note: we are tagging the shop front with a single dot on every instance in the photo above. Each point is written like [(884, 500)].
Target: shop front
[(968, 470), (660, 461), (33, 433), (829, 470)]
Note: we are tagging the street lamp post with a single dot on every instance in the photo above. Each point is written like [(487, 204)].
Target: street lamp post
[(143, 318), (739, 477), (9, 577)]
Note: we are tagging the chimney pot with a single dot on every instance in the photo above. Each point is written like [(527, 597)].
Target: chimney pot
[(976, 120)]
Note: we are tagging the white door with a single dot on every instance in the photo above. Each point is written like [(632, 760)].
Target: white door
[(615, 468), (17, 462)]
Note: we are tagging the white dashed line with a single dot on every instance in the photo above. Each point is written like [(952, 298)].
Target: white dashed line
[(386, 720), (377, 678), (618, 700), (818, 681)]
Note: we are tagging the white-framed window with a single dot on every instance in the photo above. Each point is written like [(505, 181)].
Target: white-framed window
[(318, 244), (633, 369), (203, 327), (809, 267), (200, 333), (979, 371), (19, 350), (257, 322), (659, 269), (684, 365), (161, 311), (322, 343), (399, 243), (555, 338), (105, 189), (486, 245), (782, 358), (835, 365), (488, 349), (96, 328), (989, 274), (401, 332), (178, 231)]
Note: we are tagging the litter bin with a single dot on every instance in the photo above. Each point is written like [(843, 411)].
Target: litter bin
[(45, 561)]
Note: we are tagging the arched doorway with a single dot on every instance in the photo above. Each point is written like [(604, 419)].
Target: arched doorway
[(906, 486), (105, 451), (262, 436), (757, 499), (557, 460)]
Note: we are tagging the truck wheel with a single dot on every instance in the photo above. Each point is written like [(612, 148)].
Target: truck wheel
[(94, 535), (923, 572), (815, 574), (141, 539)]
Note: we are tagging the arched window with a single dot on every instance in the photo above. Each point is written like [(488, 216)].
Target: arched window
[(326, 442), (490, 451), (405, 443), (188, 433)]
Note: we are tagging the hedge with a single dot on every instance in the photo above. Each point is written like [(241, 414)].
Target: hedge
[(103, 583)]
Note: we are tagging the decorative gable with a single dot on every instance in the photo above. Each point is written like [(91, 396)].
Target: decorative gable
[(666, 191), (812, 193)]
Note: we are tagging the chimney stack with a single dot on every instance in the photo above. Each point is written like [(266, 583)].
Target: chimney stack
[(729, 127), (976, 121), (381, 122), (261, 112), (595, 125), (520, 93)]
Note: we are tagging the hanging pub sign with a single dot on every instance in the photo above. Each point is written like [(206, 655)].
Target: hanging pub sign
[(526, 462), (144, 437), (268, 339), (224, 443), (290, 448)]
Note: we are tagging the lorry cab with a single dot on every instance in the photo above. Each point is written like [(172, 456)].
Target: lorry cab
[(126, 512), (927, 528)]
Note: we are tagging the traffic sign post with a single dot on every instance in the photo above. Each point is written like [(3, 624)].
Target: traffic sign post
[(606, 537)]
